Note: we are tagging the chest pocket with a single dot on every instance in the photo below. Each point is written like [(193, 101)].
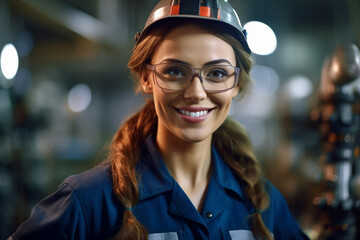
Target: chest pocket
[(164, 236)]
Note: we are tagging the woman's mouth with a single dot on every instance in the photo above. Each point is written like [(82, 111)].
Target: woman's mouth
[(194, 115)]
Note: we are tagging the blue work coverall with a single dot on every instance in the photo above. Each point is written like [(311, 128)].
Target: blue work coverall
[(85, 207)]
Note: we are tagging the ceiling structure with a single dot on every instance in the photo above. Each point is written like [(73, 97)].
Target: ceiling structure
[(95, 37)]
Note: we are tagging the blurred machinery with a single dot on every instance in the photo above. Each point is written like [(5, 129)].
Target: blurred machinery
[(339, 121)]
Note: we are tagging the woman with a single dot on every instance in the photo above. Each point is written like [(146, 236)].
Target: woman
[(179, 168)]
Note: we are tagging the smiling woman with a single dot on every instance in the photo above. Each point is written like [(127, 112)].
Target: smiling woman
[(179, 168)]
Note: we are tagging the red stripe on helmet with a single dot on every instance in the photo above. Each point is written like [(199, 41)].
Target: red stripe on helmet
[(175, 7), (205, 11), (174, 10)]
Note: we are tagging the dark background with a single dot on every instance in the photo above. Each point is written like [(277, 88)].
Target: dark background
[(62, 43)]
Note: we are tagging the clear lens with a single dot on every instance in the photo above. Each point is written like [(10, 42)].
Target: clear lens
[(177, 76), (218, 77)]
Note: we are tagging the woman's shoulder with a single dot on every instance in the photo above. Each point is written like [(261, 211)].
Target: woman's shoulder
[(95, 176), (84, 205), (278, 207), (277, 200), (92, 187), (279, 216)]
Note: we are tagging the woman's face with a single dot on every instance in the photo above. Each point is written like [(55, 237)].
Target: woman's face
[(192, 114)]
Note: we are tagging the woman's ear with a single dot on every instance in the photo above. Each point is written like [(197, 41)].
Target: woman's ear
[(146, 83), (236, 91)]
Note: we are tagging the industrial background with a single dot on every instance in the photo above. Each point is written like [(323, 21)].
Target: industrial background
[(72, 90)]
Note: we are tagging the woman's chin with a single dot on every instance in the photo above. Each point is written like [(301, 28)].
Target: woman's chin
[(194, 136)]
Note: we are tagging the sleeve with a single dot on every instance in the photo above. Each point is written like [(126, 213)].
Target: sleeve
[(59, 216), (285, 225)]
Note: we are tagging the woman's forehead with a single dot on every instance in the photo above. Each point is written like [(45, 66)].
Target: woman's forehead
[(192, 42), (189, 31)]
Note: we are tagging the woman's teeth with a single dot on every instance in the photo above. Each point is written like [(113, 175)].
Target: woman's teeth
[(194, 114)]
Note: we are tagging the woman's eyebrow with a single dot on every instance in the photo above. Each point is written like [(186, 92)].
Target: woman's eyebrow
[(217, 61), (173, 60)]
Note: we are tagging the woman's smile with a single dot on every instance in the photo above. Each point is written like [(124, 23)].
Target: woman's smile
[(194, 114)]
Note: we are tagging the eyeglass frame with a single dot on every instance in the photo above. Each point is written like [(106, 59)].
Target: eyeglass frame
[(152, 67)]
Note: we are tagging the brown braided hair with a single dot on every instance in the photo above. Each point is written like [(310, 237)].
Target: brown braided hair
[(230, 140)]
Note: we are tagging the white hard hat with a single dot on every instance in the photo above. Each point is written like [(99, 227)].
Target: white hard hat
[(215, 11)]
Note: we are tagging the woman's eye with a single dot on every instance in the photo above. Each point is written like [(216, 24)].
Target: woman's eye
[(175, 73), (217, 74)]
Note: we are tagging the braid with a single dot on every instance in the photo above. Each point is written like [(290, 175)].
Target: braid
[(124, 154), (235, 147)]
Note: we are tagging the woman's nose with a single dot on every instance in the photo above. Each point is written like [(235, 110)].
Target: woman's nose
[(195, 90)]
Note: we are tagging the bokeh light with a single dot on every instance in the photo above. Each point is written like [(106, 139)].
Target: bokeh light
[(266, 80), (299, 86), (79, 97), (261, 38), (9, 61)]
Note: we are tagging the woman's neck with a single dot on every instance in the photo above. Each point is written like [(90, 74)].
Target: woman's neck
[(184, 159), (188, 163)]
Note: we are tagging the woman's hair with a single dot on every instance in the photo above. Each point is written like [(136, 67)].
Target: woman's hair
[(230, 140)]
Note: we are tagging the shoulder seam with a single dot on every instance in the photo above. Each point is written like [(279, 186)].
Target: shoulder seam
[(82, 207)]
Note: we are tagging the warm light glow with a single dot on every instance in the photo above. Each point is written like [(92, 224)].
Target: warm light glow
[(260, 37), (9, 61), (79, 97), (336, 68)]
